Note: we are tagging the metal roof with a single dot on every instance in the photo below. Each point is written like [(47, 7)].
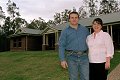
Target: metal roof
[(107, 19), (30, 31), (27, 31)]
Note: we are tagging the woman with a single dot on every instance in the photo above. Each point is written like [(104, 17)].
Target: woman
[(101, 50)]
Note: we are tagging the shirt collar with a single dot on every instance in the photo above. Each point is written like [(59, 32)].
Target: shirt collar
[(101, 31), (73, 28)]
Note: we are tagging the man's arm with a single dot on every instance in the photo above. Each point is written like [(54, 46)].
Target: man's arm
[(62, 45)]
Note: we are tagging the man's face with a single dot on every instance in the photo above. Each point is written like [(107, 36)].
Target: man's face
[(74, 19)]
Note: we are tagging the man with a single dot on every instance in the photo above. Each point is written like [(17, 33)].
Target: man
[(73, 49)]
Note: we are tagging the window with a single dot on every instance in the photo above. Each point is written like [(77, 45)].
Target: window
[(14, 43), (17, 42)]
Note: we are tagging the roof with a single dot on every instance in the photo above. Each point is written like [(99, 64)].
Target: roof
[(107, 19), (27, 31), (61, 26)]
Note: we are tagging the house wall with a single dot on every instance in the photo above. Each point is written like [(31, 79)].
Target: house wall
[(22, 48), (34, 43), (27, 43)]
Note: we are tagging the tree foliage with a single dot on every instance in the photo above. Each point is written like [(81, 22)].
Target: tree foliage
[(108, 6), (7, 29), (98, 7), (82, 12), (62, 17), (92, 8), (57, 18), (12, 9), (18, 23), (13, 22), (2, 14), (2, 17), (39, 24), (51, 23)]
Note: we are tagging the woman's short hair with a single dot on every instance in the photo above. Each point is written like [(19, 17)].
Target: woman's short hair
[(98, 20)]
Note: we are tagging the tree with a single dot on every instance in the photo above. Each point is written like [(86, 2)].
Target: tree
[(2, 15), (82, 12), (64, 15), (7, 30), (74, 9), (57, 18), (14, 21), (114, 7), (91, 8), (50, 23), (12, 9), (18, 23), (108, 6), (38, 24)]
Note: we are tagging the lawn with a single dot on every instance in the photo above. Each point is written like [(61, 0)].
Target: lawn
[(36, 65)]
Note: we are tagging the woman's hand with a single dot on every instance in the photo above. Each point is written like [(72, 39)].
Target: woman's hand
[(107, 64)]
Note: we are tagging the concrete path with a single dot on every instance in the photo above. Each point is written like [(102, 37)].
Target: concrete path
[(115, 74)]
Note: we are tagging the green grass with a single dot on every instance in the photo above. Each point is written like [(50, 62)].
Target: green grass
[(115, 60), (36, 65)]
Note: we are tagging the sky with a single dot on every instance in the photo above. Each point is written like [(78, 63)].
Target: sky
[(46, 9)]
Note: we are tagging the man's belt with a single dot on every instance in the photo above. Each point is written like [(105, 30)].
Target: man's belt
[(77, 52)]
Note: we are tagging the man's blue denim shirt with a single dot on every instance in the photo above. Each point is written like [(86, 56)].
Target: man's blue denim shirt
[(72, 39)]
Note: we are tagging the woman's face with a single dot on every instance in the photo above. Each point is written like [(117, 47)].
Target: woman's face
[(96, 27)]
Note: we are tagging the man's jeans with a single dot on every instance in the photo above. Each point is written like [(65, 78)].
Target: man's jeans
[(78, 66)]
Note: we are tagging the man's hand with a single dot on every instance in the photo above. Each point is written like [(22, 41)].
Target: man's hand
[(64, 64)]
